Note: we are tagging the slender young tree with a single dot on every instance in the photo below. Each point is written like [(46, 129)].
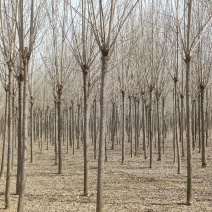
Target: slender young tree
[(106, 32), (25, 54), (9, 53), (123, 78), (58, 66), (188, 47), (187, 61), (84, 52), (4, 132)]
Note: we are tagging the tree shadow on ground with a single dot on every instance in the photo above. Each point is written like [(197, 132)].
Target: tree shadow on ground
[(3, 193), (41, 174), (162, 204), (138, 168)]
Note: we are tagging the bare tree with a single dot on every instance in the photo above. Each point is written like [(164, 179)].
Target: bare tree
[(106, 32), (5, 127), (127, 44), (25, 54), (84, 51), (188, 47), (8, 41), (58, 66)]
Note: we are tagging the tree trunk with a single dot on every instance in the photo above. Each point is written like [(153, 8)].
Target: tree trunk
[(135, 128), (144, 128), (20, 112), (195, 121), (55, 131), (59, 130), (182, 125), (81, 124), (113, 127), (73, 124), (94, 126), (123, 124), (192, 124), (207, 118), (130, 126), (188, 115), (176, 124), (204, 164), (189, 146), (174, 127), (78, 127), (137, 124), (105, 147), (63, 125), (199, 121), (13, 122), (100, 186), (117, 125), (4, 134), (85, 86), (21, 199), (41, 130), (31, 129), (163, 124), (147, 124), (150, 126), (10, 137), (70, 126), (159, 138), (47, 127)]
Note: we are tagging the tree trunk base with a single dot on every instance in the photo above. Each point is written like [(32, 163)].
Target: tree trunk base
[(204, 165), (188, 203)]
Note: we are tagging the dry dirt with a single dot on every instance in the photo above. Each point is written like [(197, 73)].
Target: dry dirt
[(130, 187)]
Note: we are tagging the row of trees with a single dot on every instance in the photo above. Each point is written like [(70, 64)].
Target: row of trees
[(106, 68)]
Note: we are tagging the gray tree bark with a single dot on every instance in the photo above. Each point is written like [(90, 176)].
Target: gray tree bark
[(100, 184), (85, 87), (123, 127), (188, 115), (204, 164), (10, 137), (59, 93), (4, 133)]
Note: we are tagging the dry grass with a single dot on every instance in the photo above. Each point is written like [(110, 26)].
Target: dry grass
[(130, 187)]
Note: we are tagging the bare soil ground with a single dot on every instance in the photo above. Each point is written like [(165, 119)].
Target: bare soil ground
[(130, 187)]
